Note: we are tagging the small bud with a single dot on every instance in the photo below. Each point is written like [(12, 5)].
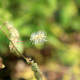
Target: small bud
[(1, 64)]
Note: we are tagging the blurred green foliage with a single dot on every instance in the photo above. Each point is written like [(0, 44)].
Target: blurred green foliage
[(60, 19)]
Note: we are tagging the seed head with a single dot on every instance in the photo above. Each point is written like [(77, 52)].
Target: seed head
[(38, 37), (14, 36)]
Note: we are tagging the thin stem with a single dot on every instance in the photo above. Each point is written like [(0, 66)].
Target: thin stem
[(23, 41), (12, 42), (4, 32)]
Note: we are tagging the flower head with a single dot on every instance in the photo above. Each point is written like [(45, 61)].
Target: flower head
[(38, 37)]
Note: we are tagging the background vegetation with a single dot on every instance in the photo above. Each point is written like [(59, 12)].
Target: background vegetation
[(59, 57)]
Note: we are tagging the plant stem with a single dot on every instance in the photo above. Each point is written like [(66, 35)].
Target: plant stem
[(35, 68), (11, 41)]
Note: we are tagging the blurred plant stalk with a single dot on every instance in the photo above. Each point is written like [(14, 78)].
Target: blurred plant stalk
[(35, 68)]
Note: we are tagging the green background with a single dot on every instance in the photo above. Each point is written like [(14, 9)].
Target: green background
[(60, 19)]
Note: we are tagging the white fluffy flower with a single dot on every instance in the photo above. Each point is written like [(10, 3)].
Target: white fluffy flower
[(38, 37)]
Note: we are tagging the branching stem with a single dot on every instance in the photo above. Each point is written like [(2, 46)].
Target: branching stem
[(35, 68)]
